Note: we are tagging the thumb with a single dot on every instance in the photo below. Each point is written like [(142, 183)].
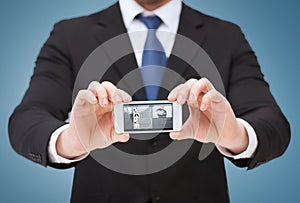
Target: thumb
[(121, 137), (174, 135), (185, 133)]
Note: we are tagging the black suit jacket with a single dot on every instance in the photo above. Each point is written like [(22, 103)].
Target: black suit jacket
[(48, 100)]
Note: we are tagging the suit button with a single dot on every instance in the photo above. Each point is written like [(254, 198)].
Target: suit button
[(35, 157)]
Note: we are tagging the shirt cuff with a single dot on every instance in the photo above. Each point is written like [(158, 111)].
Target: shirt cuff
[(253, 142), (52, 153)]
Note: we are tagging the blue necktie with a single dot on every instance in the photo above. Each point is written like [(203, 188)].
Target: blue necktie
[(154, 58)]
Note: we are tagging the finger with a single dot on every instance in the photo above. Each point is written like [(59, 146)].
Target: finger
[(211, 98), (181, 92), (214, 106), (203, 85), (124, 95), (100, 92), (114, 95), (85, 97), (191, 81), (173, 94)]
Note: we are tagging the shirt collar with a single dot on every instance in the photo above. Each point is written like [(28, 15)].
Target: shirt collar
[(169, 13)]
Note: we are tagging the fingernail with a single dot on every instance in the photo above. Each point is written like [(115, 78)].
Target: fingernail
[(127, 99), (172, 96), (203, 107), (104, 101), (192, 97)]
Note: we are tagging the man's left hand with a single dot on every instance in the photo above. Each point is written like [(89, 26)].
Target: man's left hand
[(211, 116)]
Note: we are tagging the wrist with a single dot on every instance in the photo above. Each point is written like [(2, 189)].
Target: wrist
[(68, 145), (238, 141)]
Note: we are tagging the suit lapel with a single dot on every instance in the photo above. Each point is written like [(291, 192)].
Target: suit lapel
[(109, 25), (190, 27)]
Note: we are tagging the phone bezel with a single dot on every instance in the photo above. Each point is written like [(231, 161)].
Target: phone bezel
[(119, 116)]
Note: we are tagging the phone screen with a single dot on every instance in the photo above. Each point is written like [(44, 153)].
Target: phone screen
[(143, 117)]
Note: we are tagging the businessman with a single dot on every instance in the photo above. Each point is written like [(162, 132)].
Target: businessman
[(254, 130)]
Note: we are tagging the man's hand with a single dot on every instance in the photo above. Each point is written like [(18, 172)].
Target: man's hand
[(91, 122), (211, 116)]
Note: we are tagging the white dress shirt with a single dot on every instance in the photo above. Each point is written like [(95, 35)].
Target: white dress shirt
[(170, 16)]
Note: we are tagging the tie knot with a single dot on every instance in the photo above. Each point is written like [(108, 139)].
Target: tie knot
[(151, 22)]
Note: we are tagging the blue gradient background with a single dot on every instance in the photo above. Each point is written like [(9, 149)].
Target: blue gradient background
[(272, 28)]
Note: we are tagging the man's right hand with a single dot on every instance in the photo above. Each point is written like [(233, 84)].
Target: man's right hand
[(91, 121)]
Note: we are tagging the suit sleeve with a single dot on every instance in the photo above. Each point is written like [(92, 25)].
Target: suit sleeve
[(46, 103), (251, 100)]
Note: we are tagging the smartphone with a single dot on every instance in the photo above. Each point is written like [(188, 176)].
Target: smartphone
[(148, 117)]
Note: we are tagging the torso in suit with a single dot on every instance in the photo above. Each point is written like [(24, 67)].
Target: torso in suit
[(49, 99)]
